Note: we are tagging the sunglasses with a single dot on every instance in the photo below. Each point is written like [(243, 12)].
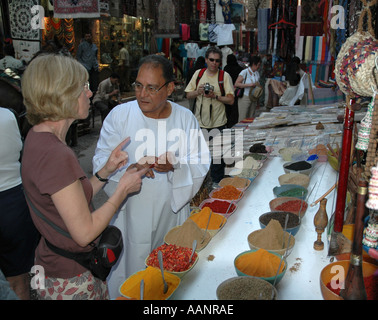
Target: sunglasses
[(216, 60)]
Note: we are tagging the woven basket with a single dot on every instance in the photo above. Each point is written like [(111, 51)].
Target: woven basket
[(355, 64)]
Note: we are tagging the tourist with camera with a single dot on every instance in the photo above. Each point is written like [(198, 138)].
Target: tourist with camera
[(212, 88)]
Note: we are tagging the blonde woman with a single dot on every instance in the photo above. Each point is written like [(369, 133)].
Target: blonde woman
[(56, 92)]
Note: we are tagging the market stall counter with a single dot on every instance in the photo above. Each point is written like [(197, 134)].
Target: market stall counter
[(216, 260)]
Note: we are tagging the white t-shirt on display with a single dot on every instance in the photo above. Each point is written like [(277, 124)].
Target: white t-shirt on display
[(224, 33)]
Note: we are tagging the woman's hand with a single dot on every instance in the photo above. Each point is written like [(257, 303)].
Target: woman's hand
[(131, 181), (117, 159), (146, 162)]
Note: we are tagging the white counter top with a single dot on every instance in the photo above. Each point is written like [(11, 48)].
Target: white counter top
[(301, 280)]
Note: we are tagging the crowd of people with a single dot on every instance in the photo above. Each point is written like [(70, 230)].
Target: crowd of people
[(149, 177)]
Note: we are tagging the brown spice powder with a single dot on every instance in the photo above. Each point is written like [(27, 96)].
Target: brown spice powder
[(185, 235), (269, 238)]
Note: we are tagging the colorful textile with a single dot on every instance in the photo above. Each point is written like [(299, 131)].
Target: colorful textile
[(76, 9), (166, 22), (202, 10), (20, 18), (82, 287), (226, 10)]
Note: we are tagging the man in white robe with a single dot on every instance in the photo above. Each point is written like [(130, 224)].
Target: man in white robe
[(158, 129)]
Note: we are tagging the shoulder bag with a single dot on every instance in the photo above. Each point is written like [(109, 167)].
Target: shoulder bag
[(239, 92), (101, 258)]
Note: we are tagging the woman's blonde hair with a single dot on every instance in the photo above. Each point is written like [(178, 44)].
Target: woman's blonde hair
[(51, 86)]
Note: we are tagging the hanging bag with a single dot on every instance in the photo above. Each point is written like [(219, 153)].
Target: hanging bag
[(239, 92), (355, 64), (255, 93)]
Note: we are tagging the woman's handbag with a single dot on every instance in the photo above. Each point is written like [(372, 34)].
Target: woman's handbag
[(239, 92), (101, 258), (255, 93)]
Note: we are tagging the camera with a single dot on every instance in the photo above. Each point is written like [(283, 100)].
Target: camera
[(208, 87)]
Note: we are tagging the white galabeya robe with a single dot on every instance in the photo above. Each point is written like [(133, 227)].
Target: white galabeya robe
[(163, 201)]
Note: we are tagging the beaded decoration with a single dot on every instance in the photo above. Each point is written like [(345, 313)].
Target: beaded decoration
[(365, 128)]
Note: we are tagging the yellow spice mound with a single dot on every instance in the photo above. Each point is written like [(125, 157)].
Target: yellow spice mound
[(153, 284), (260, 263), (201, 218)]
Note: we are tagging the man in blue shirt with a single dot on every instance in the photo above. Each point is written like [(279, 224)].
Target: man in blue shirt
[(87, 56)]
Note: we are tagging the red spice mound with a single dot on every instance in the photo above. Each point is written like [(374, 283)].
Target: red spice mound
[(292, 206), (175, 258), (220, 206)]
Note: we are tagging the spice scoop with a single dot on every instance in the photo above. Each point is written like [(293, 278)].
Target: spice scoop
[(279, 266), (194, 247), (160, 258), (207, 226), (283, 234), (142, 289)]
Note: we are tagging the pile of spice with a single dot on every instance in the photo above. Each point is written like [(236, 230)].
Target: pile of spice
[(220, 206), (237, 182), (294, 178), (245, 288), (270, 238), (260, 263), (257, 148), (227, 193), (371, 287), (248, 163), (185, 234), (287, 153), (153, 286), (299, 165), (248, 173), (202, 218), (294, 192), (175, 258), (293, 206), (280, 216)]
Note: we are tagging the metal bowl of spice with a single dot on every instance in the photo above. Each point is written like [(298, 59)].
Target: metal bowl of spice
[(290, 190), (206, 219), (246, 288), (293, 224), (223, 207), (303, 167), (260, 263), (227, 193), (176, 259), (294, 178), (237, 182), (153, 284), (289, 204)]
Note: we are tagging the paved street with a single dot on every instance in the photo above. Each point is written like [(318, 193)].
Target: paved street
[(86, 147)]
